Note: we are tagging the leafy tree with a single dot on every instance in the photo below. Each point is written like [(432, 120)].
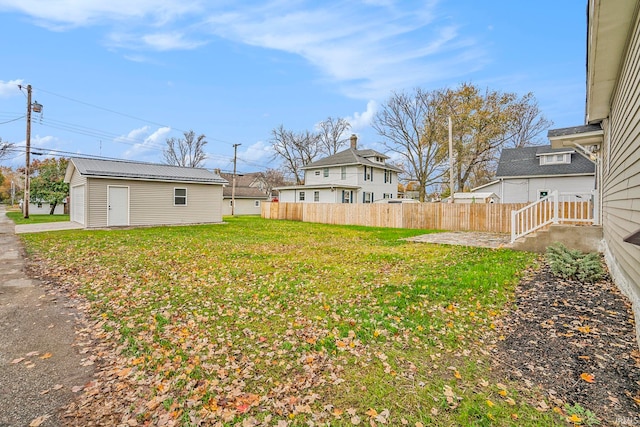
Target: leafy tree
[(485, 122), (412, 127), (333, 135), (296, 149), (47, 181), (187, 151), (5, 186)]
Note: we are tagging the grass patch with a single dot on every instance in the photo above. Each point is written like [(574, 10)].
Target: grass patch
[(291, 321), (18, 218)]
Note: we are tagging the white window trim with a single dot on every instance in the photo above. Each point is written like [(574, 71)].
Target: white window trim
[(186, 196)]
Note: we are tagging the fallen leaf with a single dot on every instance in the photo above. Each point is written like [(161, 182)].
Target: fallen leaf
[(77, 388), (371, 412), (574, 419), (38, 421), (33, 353), (14, 361), (587, 377), (57, 386), (355, 420), (490, 404), (46, 356), (457, 375)]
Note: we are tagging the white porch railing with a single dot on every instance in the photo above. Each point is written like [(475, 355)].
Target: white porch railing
[(556, 208)]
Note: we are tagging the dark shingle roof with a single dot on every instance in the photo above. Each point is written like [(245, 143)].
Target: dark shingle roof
[(575, 130), (352, 156), (144, 171), (525, 161)]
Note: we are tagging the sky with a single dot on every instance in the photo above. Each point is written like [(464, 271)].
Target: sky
[(117, 78)]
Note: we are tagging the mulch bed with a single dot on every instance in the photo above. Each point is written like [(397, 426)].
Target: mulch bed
[(577, 343)]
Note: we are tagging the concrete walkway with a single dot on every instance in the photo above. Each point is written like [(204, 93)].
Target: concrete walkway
[(47, 226), (463, 238), (41, 368)]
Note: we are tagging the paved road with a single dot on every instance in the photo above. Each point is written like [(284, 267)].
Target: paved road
[(40, 360)]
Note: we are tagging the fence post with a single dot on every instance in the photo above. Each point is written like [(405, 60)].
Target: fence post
[(555, 206), (513, 226)]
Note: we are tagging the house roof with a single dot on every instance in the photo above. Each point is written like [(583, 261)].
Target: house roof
[(318, 187), (525, 161), (243, 188), (609, 26), (122, 169), (352, 156)]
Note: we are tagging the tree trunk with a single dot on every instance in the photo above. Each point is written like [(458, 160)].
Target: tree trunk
[(53, 208)]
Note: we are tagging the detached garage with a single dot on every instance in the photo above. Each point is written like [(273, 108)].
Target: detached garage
[(114, 193)]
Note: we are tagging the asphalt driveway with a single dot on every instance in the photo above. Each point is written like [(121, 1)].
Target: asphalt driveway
[(41, 340)]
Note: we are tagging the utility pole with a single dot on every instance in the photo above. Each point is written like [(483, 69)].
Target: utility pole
[(450, 161), (233, 184), (37, 108), (25, 204)]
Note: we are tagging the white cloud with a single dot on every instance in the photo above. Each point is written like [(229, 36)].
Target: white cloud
[(257, 155), (64, 14), (158, 41), (364, 49), (10, 88), (363, 120), (145, 145)]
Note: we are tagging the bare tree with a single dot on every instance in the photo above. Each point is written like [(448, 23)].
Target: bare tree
[(295, 149), (5, 148), (333, 134), (187, 152), (412, 128), (270, 179)]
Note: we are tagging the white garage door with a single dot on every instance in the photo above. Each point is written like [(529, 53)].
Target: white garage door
[(77, 204)]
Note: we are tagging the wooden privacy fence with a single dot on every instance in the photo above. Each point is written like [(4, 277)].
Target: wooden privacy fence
[(487, 217)]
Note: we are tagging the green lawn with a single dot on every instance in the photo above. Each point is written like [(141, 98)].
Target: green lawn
[(18, 218), (284, 323)]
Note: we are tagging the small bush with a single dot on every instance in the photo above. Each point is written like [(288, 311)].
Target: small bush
[(573, 264)]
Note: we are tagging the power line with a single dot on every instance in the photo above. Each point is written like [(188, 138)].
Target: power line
[(12, 120)]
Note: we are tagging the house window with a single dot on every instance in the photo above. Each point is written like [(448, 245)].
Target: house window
[(346, 196), (555, 159), (179, 196), (257, 203), (301, 196), (366, 197), (316, 196), (230, 203), (317, 173), (387, 176), (40, 204), (343, 172), (325, 172), (368, 174)]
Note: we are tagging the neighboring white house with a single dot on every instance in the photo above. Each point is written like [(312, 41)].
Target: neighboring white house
[(44, 208), (479, 197), (350, 176), (248, 196), (108, 193), (529, 173), (613, 114)]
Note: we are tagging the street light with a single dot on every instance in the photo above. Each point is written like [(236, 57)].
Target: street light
[(36, 108)]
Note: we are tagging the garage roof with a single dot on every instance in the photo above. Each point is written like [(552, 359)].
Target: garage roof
[(122, 169)]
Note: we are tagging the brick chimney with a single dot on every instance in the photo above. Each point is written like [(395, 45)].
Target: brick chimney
[(354, 141)]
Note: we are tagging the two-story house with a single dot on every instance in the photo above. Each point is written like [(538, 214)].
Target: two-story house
[(350, 176)]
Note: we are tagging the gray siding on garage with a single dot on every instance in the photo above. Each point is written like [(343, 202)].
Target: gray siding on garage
[(151, 203), (621, 174)]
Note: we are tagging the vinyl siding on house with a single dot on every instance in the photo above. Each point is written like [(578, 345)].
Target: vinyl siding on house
[(525, 190), (243, 206), (621, 171), (152, 203)]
